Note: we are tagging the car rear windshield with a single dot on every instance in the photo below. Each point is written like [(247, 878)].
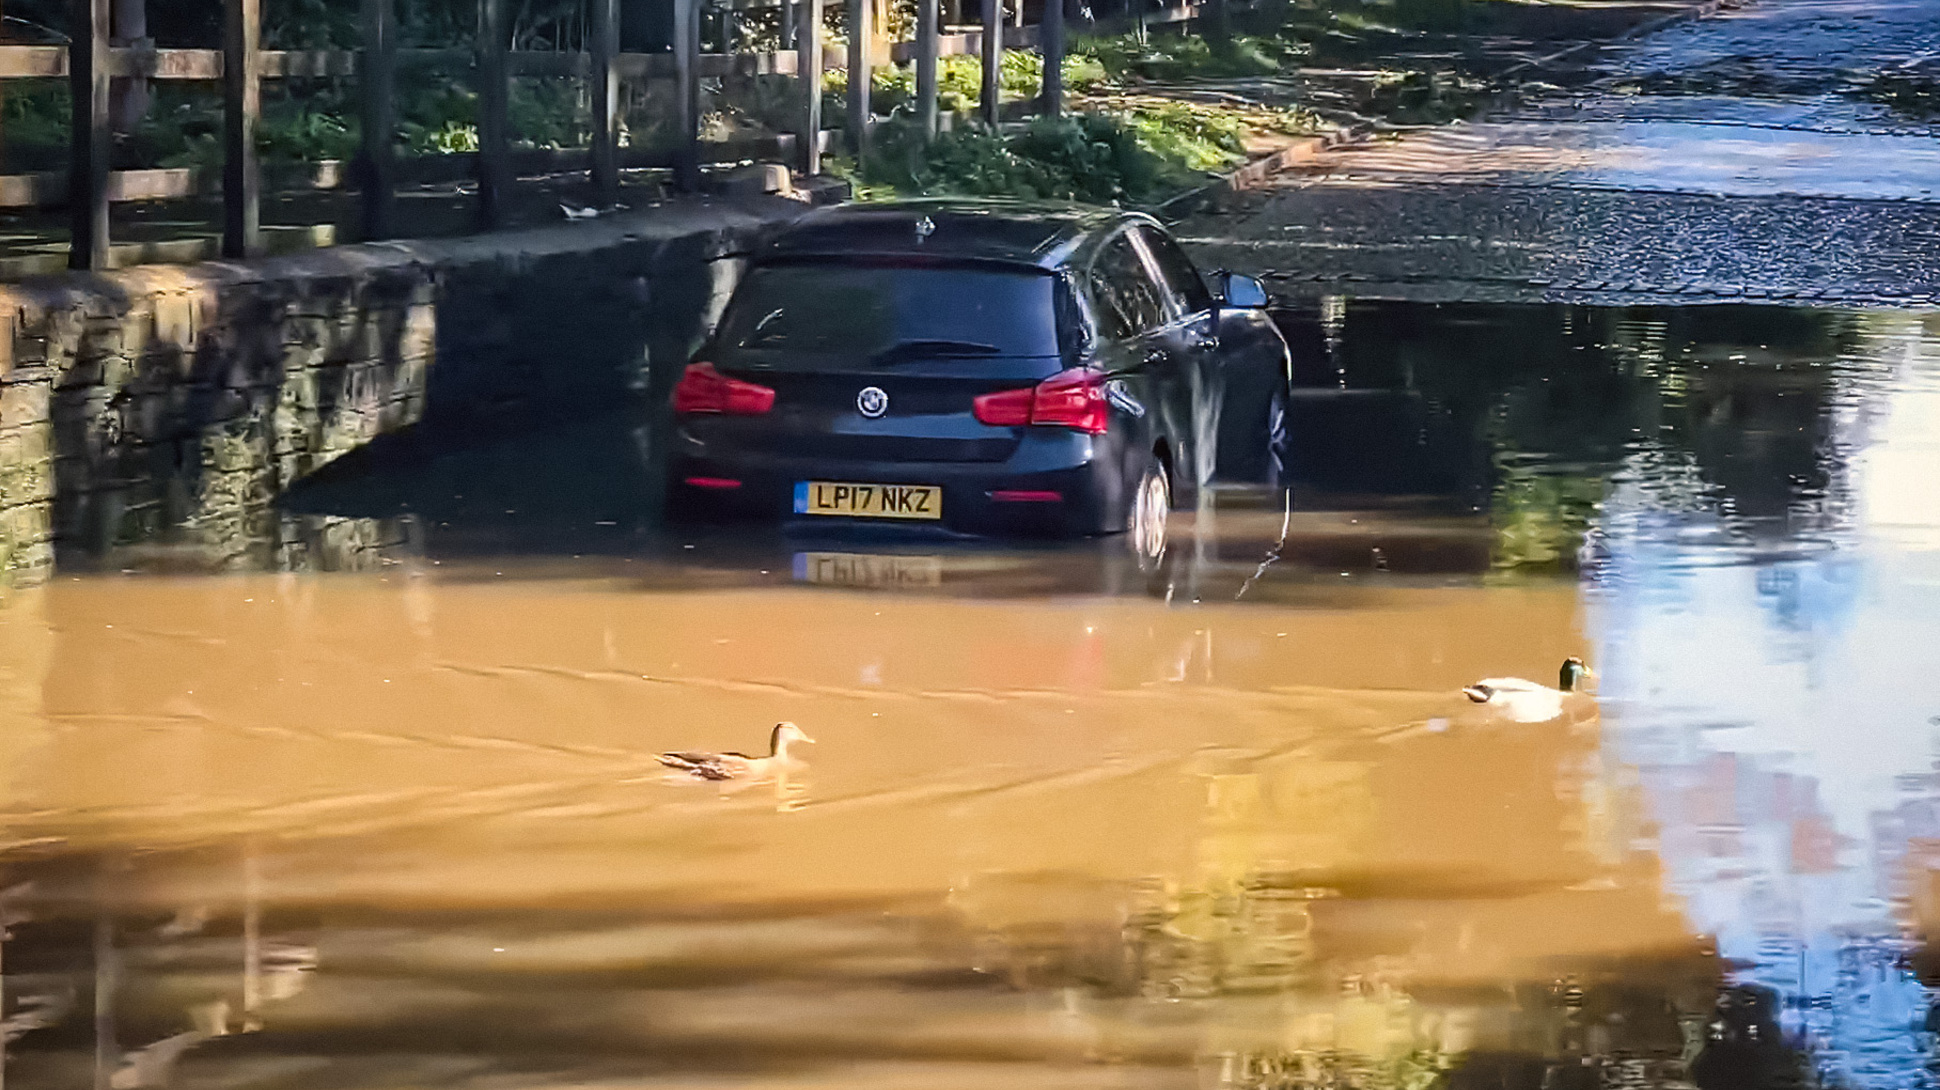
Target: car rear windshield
[(796, 313)]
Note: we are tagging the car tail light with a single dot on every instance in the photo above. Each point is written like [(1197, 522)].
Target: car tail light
[(1068, 399), (702, 389), (1073, 399), (1006, 408)]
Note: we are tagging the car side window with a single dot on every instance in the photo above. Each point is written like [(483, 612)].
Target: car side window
[(1129, 301), (1175, 268), (1077, 317)]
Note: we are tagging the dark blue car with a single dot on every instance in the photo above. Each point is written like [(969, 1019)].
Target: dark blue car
[(981, 367)]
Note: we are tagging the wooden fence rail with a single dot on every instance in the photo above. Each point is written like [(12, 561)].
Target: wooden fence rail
[(90, 63)]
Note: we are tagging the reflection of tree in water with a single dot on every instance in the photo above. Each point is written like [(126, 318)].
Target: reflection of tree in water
[(1539, 409), (1416, 1070), (1332, 935), (1540, 517)]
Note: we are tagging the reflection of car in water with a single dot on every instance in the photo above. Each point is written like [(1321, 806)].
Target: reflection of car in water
[(1744, 1046), (981, 367)]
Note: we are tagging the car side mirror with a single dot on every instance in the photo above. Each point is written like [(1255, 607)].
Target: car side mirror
[(1238, 292)]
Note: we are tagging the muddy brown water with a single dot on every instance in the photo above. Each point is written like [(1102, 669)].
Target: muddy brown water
[(1066, 821)]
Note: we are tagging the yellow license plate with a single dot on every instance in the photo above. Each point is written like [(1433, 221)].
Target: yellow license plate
[(880, 501), (863, 570)]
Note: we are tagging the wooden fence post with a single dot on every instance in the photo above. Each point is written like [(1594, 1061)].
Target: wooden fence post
[(1051, 42), (87, 192), (1218, 26), (494, 114), (606, 102), (859, 79), (808, 71), (3, 102), (128, 97), (926, 50), (377, 77), (687, 95), (242, 93), (993, 59)]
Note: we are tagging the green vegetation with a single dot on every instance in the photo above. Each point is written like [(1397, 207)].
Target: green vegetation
[(959, 83), (1425, 98), (1179, 56), (1102, 157), (1092, 157), (1915, 94), (1118, 146), (1192, 138), (1129, 141), (300, 123)]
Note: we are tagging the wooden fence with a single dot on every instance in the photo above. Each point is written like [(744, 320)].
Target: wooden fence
[(90, 63)]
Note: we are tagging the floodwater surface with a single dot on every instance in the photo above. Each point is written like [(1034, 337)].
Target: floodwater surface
[(1066, 820)]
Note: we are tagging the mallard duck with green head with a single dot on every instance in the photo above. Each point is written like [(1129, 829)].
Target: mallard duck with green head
[(1523, 701)]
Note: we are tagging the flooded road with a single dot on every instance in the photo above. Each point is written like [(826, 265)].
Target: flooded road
[(1778, 149), (391, 816)]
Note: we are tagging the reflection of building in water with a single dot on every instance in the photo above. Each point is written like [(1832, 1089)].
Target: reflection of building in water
[(269, 541)]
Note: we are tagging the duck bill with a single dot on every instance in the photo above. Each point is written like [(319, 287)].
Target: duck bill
[(1476, 695)]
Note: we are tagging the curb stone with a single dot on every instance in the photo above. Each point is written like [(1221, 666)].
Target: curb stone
[(1253, 175)]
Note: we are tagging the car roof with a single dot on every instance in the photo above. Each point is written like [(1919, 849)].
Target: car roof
[(1042, 235)]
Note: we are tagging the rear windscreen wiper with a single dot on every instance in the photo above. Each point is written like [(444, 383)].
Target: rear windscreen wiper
[(913, 349)]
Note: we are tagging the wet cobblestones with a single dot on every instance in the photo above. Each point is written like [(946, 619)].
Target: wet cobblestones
[(1501, 243), (1614, 197)]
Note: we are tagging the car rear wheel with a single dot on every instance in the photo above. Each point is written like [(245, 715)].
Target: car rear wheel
[(1151, 509), (1279, 440)]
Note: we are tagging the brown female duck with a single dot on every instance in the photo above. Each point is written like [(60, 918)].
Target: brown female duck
[(739, 766)]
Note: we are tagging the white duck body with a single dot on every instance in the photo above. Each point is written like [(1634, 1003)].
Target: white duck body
[(1523, 701)]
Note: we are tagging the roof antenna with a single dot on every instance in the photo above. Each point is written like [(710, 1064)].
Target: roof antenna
[(925, 227)]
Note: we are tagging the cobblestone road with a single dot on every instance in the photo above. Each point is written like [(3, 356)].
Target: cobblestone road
[(1733, 157)]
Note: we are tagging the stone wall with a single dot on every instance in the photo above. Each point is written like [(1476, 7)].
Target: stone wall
[(167, 407)]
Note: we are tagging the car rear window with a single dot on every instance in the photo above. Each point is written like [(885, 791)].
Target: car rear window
[(793, 313)]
